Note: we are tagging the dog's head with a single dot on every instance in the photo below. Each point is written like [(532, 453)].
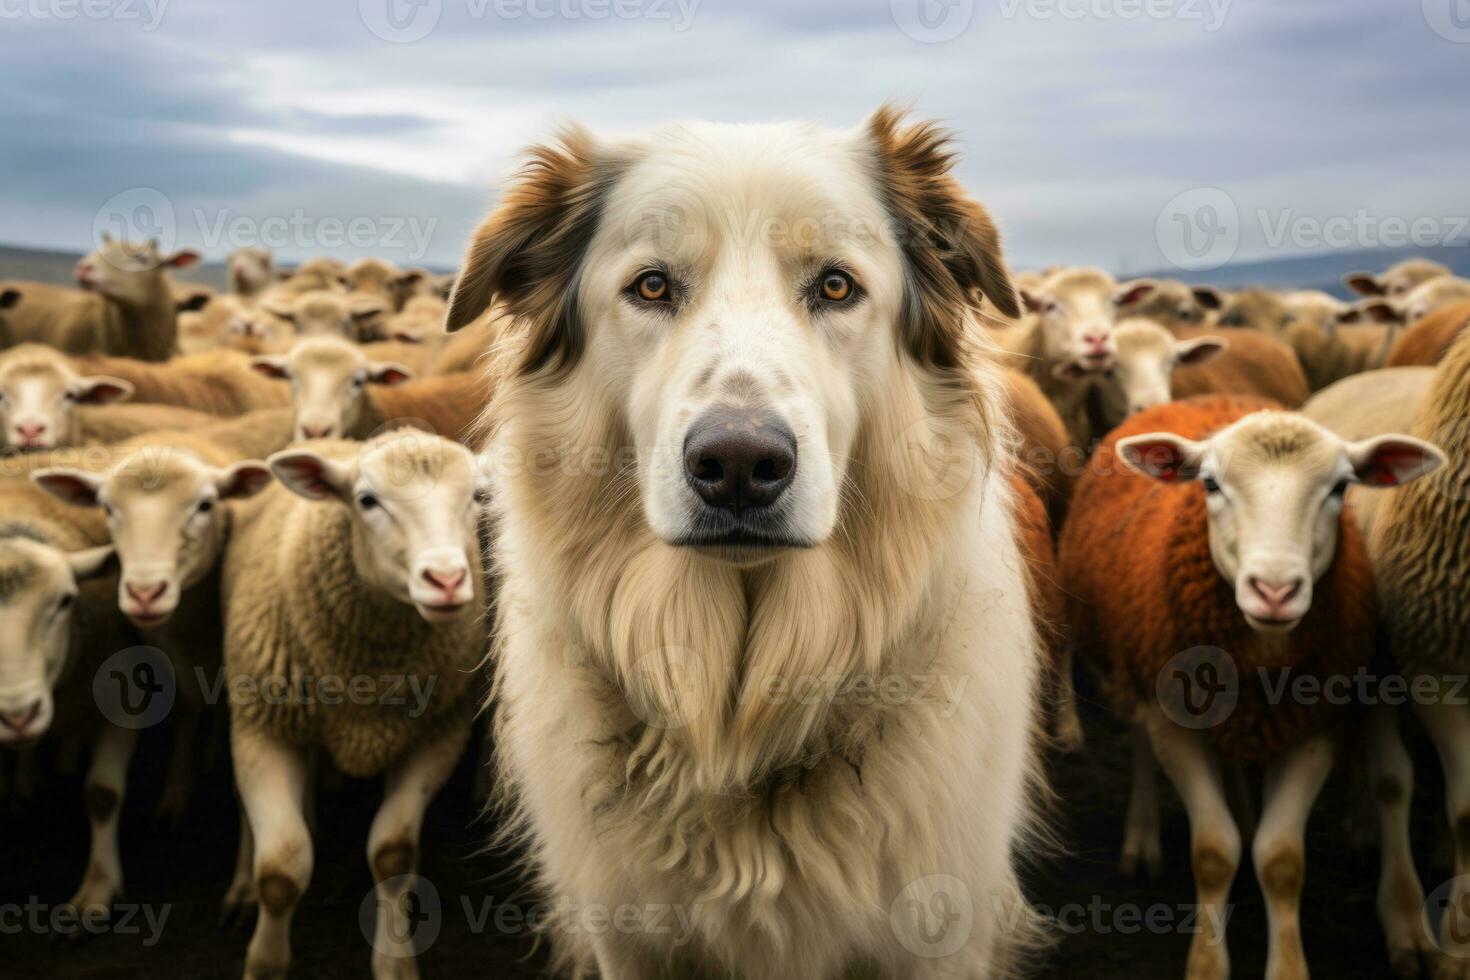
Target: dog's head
[(739, 298)]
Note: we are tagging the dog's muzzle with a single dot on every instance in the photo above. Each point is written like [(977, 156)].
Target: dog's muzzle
[(739, 463)]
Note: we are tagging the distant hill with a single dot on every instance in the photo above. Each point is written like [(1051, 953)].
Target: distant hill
[(1322, 271)]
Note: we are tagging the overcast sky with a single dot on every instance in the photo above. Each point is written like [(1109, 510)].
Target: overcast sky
[(1127, 133)]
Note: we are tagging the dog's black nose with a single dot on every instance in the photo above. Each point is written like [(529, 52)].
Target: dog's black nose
[(737, 461)]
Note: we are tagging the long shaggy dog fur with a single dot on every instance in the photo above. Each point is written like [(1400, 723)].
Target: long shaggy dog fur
[(650, 753)]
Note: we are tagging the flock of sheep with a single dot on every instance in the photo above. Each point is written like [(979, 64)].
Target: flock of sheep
[(259, 460)]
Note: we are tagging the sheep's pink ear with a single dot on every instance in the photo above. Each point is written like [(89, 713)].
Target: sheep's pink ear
[(1391, 461), (182, 259), (91, 563), (243, 480), (311, 475), (76, 487), (8, 298), (1200, 350), (1363, 283), (1133, 292), (1162, 456), (1209, 297), (388, 374), (100, 390), (271, 366)]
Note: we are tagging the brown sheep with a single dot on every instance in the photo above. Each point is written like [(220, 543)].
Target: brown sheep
[(1048, 459), (220, 382), (126, 308), (1425, 343), (1049, 607), (1254, 365), (1175, 305), (1214, 529), (1331, 354), (232, 323), (1398, 280), (1420, 545)]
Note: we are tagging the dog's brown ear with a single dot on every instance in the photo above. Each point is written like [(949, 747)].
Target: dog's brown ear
[(951, 246), (528, 252)]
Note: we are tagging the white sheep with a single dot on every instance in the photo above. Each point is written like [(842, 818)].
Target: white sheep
[(363, 563)]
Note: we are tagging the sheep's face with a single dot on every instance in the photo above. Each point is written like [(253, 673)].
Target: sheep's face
[(38, 400), (373, 276), (1169, 302), (130, 273), (251, 270), (1433, 295), (1398, 281), (329, 379), (1274, 485), (1255, 309), (1077, 308), (1142, 375), (327, 313), (416, 508), (38, 596), (167, 519)]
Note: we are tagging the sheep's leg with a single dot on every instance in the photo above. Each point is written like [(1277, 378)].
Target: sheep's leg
[(1400, 894), (1192, 765), (272, 779), (1279, 850), (1141, 840), (393, 851), (1068, 723), (1448, 726), (240, 897), (107, 777), (174, 799)]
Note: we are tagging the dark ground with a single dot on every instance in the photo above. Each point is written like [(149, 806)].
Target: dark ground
[(44, 849)]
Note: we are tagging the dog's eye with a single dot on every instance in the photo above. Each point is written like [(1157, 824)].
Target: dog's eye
[(837, 287), (652, 287)]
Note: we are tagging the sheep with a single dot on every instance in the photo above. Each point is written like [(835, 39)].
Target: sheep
[(1330, 354), (57, 624), (362, 564), (40, 394), (1048, 605), (190, 297), (373, 277), (1255, 364), (339, 392), (322, 312), (126, 309), (1371, 404), (251, 270), (419, 321), (1424, 299), (468, 348), (1225, 529), (232, 323), (1173, 304), (1048, 458), (1420, 547), (166, 501), (311, 275), (1426, 342), (1398, 280), (219, 382)]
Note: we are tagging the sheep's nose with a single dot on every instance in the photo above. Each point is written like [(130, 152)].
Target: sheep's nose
[(146, 595), (19, 721), (1276, 594), (736, 462), (317, 431), (446, 580), (31, 430)]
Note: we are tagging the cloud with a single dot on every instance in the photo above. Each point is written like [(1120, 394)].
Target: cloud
[(1079, 120)]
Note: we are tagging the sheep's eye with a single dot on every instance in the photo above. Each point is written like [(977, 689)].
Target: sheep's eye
[(68, 396), (1340, 488), (65, 602), (205, 506), (652, 287), (837, 287), (1051, 306), (367, 501), (1211, 485)]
